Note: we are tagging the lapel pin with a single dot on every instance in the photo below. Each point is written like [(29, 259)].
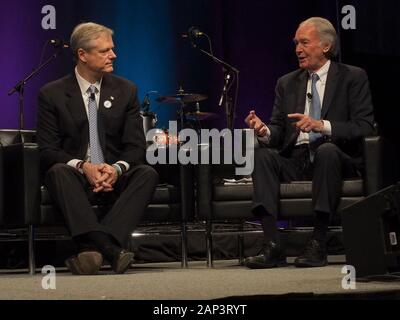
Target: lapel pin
[(107, 104), (112, 98)]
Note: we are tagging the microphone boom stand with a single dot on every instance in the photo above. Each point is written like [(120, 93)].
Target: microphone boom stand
[(230, 113), (20, 88)]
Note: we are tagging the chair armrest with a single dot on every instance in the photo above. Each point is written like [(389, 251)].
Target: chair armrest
[(22, 181), (204, 191), (212, 173), (187, 191), (380, 164), (177, 175)]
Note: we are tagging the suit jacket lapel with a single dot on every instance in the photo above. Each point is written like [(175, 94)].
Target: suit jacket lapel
[(298, 107), (300, 100), (75, 103), (301, 92), (330, 89), (107, 91), (76, 107)]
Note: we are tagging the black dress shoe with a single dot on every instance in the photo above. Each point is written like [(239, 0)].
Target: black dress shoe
[(86, 263), (122, 261), (271, 256), (314, 255)]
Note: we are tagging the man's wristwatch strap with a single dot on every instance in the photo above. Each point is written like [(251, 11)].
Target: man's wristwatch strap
[(79, 166)]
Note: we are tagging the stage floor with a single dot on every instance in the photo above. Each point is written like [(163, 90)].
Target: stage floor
[(167, 281)]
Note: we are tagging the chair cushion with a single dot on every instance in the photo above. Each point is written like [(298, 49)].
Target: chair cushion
[(232, 192), (303, 189), (288, 190), (231, 210), (166, 193), (159, 213), (289, 209), (301, 207)]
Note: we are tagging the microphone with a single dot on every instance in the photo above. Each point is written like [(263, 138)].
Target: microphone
[(59, 43), (92, 96), (146, 103), (221, 100), (193, 33), (309, 95)]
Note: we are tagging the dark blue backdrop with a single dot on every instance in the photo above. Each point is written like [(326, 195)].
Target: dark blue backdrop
[(254, 35)]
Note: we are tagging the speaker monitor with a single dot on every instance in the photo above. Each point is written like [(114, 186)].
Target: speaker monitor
[(371, 233)]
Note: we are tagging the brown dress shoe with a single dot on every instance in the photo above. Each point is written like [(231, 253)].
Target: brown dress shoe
[(86, 263), (73, 265), (122, 261)]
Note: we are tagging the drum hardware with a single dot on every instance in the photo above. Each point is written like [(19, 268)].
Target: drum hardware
[(199, 116), (149, 118), (183, 98)]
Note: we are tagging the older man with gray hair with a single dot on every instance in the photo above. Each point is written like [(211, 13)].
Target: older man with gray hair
[(92, 148), (320, 114)]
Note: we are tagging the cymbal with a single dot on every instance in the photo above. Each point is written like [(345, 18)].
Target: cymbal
[(200, 115), (182, 97)]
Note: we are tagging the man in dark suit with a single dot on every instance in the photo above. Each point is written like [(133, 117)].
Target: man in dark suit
[(92, 147), (320, 115)]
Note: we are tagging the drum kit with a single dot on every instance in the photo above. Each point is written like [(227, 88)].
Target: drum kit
[(183, 99)]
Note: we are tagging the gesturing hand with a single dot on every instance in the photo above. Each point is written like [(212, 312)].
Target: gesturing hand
[(254, 122), (306, 123)]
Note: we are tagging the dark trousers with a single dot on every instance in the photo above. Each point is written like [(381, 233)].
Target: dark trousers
[(327, 171), (73, 195)]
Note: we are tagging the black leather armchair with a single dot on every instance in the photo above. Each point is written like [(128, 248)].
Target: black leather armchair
[(29, 205), (218, 202)]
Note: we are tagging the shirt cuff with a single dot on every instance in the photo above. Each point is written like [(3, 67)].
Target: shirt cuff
[(265, 139), (125, 164), (73, 162), (327, 130)]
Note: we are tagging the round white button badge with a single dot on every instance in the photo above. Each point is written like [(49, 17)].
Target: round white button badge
[(107, 104)]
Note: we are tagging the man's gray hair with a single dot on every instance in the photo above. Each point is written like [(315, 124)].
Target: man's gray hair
[(327, 33), (84, 33)]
